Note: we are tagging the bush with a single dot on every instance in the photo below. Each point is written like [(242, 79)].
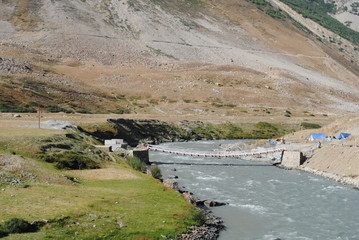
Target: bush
[(17, 225), (306, 125), (3, 234), (71, 160), (155, 172), (265, 125), (199, 216), (16, 109), (136, 164), (56, 109), (121, 111), (84, 111)]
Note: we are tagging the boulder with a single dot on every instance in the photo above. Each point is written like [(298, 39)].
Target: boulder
[(209, 203), (171, 184), (189, 197)]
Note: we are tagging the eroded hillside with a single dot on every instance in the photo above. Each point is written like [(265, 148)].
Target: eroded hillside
[(181, 57)]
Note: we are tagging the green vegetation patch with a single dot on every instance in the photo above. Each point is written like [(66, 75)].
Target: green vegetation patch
[(17, 225), (71, 160), (265, 6), (101, 209), (140, 208), (136, 164), (72, 151), (307, 125), (318, 11)]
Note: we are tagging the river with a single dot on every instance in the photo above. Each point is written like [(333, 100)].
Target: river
[(265, 202)]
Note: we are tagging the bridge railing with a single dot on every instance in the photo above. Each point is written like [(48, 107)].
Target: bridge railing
[(215, 154)]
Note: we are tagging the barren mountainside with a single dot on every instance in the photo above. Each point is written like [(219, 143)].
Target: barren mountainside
[(210, 57)]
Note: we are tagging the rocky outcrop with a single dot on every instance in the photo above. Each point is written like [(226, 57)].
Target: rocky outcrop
[(171, 184), (154, 131), (212, 225), (13, 66), (209, 230), (144, 131)]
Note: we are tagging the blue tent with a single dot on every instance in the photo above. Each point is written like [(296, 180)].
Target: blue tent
[(316, 136), (343, 135)]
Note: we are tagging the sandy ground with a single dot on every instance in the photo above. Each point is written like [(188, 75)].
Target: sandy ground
[(338, 159)]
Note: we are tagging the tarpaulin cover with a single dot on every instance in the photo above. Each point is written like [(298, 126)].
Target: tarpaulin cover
[(343, 135), (316, 136)]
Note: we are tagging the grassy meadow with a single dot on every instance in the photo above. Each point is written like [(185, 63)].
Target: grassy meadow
[(111, 201)]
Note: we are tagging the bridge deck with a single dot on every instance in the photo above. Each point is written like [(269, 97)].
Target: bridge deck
[(236, 154)]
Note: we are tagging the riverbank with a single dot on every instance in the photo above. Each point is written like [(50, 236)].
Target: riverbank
[(337, 159), (257, 193), (341, 179)]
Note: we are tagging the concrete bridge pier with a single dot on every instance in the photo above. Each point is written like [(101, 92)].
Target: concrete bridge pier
[(292, 159)]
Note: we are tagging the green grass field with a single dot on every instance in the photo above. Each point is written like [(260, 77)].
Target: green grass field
[(96, 208), (92, 208)]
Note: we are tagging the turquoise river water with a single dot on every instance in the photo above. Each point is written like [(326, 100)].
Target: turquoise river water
[(265, 202)]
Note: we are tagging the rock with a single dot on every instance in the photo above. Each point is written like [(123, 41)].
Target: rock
[(38, 224), (209, 203), (172, 177), (122, 225), (189, 197), (171, 184), (209, 230), (56, 124), (13, 66)]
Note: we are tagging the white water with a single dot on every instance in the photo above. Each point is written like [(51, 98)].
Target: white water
[(265, 202)]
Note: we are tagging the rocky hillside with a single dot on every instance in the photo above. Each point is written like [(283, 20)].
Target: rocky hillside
[(203, 57)]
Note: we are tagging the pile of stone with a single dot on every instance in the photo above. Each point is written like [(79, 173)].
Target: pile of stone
[(13, 66), (10, 180), (209, 230)]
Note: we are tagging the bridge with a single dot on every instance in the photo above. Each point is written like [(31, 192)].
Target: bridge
[(248, 155)]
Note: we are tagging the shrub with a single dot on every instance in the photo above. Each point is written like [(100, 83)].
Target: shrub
[(265, 125), (199, 216), (306, 125), (17, 225), (16, 109), (121, 111), (84, 111), (56, 109), (136, 164), (155, 172), (3, 234), (70, 160)]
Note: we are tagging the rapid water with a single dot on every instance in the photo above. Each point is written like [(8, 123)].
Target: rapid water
[(265, 202)]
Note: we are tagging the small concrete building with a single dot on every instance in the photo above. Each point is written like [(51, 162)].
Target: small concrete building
[(116, 145), (114, 141)]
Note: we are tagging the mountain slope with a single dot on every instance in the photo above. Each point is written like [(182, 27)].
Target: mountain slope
[(200, 57)]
